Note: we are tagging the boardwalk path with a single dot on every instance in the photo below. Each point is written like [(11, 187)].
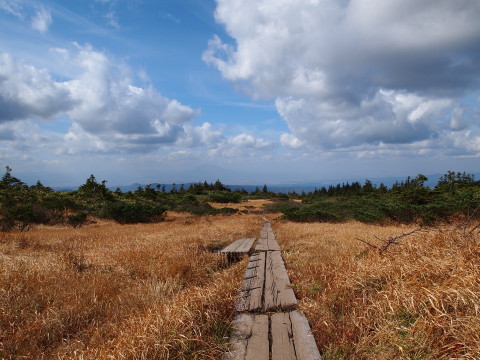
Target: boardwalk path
[(267, 326)]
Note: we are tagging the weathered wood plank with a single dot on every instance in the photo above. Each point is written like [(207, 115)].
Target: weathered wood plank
[(240, 246), (267, 244), (282, 337), (278, 291), (249, 340), (245, 245), (305, 345), (267, 241), (251, 296)]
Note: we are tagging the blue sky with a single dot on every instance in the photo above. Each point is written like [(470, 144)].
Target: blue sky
[(264, 91)]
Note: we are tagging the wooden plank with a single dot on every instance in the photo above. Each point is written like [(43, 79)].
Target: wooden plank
[(282, 337), (251, 296), (258, 285), (231, 248), (278, 291), (258, 347), (305, 345), (245, 245), (267, 244), (240, 246), (249, 340), (267, 241)]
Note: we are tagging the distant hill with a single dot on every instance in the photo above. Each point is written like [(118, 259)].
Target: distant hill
[(297, 187)]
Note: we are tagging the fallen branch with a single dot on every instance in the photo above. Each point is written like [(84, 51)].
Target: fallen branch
[(391, 240)]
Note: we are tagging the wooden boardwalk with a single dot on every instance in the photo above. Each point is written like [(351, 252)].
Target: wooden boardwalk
[(279, 336), (239, 248), (266, 286), (267, 326), (267, 241)]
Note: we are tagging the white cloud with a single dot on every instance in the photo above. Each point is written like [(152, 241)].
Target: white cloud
[(248, 141), (291, 141), (113, 109), (41, 20), (358, 72), (203, 135), (13, 7), (26, 91), (112, 19), (40, 17), (109, 112)]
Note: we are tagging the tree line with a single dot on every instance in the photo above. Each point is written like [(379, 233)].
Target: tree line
[(455, 194), (22, 206)]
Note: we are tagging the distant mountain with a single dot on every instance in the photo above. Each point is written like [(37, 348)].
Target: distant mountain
[(297, 187)]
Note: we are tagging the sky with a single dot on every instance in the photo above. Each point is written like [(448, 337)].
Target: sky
[(245, 91)]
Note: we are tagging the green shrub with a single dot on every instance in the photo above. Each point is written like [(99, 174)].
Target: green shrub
[(369, 209), (77, 220), (224, 197), (311, 213), (133, 212), (224, 211), (283, 207)]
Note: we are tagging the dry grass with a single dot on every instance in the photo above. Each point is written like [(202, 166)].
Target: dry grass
[(108, 291), (418, 300), (249, 205), (157, 291)]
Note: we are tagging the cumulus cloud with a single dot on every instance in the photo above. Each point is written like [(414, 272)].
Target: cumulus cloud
[(203, 135), (347, 73), (248, 141), (108, 110), (26, 91), (112, 108)]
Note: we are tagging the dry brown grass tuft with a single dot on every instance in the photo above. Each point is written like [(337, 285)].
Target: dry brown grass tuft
[(157, 291), (418, 300), (110, 291), (249, 205)]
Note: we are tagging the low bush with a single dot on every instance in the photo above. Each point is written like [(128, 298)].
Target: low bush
[(133, 212), (224, 197), (309, 213), (77, 220)]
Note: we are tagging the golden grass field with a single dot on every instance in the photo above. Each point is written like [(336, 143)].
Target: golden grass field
[(156, 291)]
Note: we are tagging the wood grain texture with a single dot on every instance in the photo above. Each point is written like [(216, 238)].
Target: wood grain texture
[(251, 295), (278, 291), (240, 246), (305, 345), (266, 287), (267, 241), (249, 340), (282, 337)]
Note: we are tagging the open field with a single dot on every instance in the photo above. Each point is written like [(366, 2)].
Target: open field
[(418, 300), (249, 205), (109, 291), (156, 291)]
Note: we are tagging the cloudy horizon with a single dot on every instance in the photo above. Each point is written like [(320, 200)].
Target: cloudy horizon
[(262, 91)]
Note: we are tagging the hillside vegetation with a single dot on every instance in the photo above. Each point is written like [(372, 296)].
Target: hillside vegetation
[(109, 275), (455, 195)]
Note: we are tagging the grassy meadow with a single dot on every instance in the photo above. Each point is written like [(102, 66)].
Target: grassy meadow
[(158, 291)]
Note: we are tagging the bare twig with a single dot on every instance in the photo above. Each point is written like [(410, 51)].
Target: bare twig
[(365, 242), (466, 223), (391, 240)]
